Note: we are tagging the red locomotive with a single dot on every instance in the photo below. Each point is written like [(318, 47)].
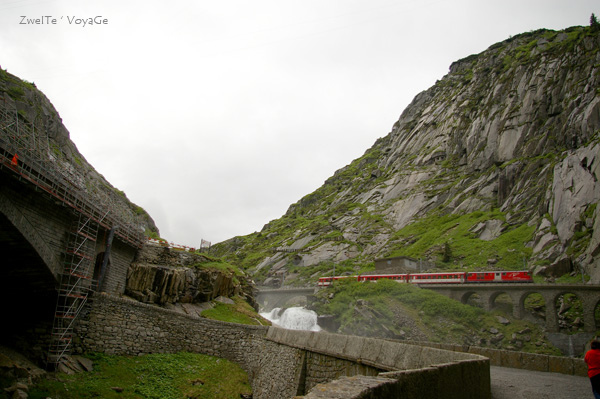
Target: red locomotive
[(441, 278)]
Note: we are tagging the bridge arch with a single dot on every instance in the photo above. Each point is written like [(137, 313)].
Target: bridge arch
[(27, 287), (471, 298), (519, 294), (509, 298), (284, 302), (270, 299), (569, 305), (530, 301), (20, 211)]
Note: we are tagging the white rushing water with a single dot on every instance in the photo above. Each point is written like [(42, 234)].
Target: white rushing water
[(293, 319)]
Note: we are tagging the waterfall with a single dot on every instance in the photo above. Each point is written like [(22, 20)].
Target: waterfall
[(293, 318)]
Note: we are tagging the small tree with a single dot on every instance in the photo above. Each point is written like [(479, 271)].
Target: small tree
[(594, 23)]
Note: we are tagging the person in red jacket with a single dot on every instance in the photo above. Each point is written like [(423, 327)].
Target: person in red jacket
[(592, 358)]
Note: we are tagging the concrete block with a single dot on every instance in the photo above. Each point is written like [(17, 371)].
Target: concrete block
[(301, 339), (450, 379), (409, 358), (475, 374), (370, 350), (280, 336), (563, 365), (336, 343), (315, 340), (421, 383), (354, 347), (273, 333), (579, 368), (387, 354), (493, 354), (511, 359), (534, 362)]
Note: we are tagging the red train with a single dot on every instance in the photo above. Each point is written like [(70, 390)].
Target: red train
[(441, 278)]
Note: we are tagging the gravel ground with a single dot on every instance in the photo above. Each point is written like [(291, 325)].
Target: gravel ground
[(510, 383)]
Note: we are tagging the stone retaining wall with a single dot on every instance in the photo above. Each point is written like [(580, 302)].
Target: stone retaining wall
[(386, 369), (284, 363), (521, 360)]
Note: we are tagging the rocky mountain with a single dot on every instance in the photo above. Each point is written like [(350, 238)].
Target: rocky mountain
[(495, 166), (51, 144)]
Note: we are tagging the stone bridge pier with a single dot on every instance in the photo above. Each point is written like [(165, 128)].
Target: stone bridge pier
[(518, 293)]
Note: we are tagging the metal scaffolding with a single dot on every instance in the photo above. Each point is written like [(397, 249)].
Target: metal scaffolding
[(28, 153), (42, 163)]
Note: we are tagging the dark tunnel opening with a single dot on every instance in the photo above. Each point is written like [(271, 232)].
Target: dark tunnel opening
[(28, 294)]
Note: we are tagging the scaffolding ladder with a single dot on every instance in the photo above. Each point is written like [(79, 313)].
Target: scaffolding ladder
[(75, 286)]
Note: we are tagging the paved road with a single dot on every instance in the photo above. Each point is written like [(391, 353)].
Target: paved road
[(522, 384)]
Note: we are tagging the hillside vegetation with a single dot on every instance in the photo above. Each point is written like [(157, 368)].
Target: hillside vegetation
[(494, 167), (387, 309)]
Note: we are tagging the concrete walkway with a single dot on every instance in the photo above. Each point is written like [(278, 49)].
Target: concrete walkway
[(523, 384)]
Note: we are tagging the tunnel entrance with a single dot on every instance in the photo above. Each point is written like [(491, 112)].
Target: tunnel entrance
[(28, 294)]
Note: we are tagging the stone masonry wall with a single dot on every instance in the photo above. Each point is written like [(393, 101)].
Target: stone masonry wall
[(280, 363), (46, 226), (384, 369), (35, 216), (121, 256), (122, 326)]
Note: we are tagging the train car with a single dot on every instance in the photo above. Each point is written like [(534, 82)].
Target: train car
[(401, 278), (441, 278), (326, 281), (500, 277), (437, 278)]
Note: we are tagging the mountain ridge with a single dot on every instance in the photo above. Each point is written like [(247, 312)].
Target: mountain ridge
[(511, 133)]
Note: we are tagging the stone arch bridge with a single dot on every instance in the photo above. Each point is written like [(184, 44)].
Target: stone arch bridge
[(518, 293), (271, 298), (64, 233), (488, 293)]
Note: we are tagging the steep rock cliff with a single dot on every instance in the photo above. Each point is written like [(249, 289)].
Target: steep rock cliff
[(499, 157), (164, 275)]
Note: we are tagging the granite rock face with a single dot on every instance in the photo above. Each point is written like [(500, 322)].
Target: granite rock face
[(514, 129), (163, 275)]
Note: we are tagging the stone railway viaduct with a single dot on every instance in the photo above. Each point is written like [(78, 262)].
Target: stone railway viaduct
[(487, 293)]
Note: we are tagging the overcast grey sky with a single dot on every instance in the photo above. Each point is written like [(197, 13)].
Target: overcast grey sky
[(215, 116)]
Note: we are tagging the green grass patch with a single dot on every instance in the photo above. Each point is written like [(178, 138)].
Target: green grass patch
[(240, 312), (156, 376), (220, 265), (451, 236)]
